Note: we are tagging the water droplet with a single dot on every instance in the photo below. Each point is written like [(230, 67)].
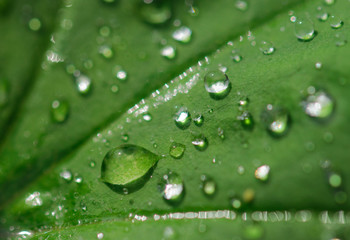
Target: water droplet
[(334, 180), (83, 84), (198, 120), (59, 111), (127, 165), (262, 173), (340, 40), (155, 12), (34, 24), (105, 31), (125, 137), (169, 233), (106, 51), (322, 15), (168, 52), (246, 120), (335, 22), (183, 34), (221, 133), (114, 88), (248, 195), (92, 164), (147, 117), (276, 120), (78, 179), (182, 118), (318, 65), (208, 186), (200, 142), (241, 5), (4, 91), (240, 170), (217, 84), (318, 104), (194, 11), (304, 29), (24, 234), (266, 48), (100, 235), (66, 175), (172, 188), (236, 203), (329, 2), (177, 150), (236, 58), (34, 200)]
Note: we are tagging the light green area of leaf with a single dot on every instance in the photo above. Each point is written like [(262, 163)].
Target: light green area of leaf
[(300, 161)]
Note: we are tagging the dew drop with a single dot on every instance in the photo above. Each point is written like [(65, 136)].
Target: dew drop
[(200, 142), (127, 164), (105, 31), (78, 179), (177, 150), (59, 110), (217, 84), (236, 58), (99, 235), (168, 52), (34, 200), (34, 24), (147, 117), (169, 233), (340, 40), (182, 118), (183, 34), (221, 133), (125, 137), (66, 175), (304, 29), (335, 22), (241, 5), (236, 203), (155, 12), (262, 173), (171, 187), (318, 65), (83, 84), (334, 180), (276, 120), (114, 88), (248, 195), (208, 186), (246, 120), (121, 75), (266, 48), (322, 15), (92, 164), (4, 92), (106, 51), (198, 120), (329, 2), (318, 104)]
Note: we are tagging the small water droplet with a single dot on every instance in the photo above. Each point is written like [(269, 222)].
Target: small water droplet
[(217, 84), (125, 137), (241, 5), (59, 110), (66, 175), (334, 180), (236, 57), (194, 11), (246, 120), (168, 52), (262, 173), (147, 117), (34, 200), (276, 120), (127, 165), (322, 15), (200, 142), (169, 233), (335, 22), (318, 65), (182, 118), (78, 179), (34, 24), (106, 51), (171, 187), (198, 120), (83, 84), (177, 150), (240, 170), (100, 235), (221, 133), (208, 186), (4, 92), (105, 31), (236, 203), (92, 164), (183, 34), (114, 88), (266, 48), (318, 104), (248, 195), (155, 12), (329, 2), (340, 40), (304, 29)]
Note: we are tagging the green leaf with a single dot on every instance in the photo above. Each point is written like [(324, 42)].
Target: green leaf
[(274, 147)]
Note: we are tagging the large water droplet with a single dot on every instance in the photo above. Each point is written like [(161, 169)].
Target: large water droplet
[(83, 84), (200, 142), (182, 118), (208, 186), (318, 104), (335, 22), (304, 29), (155, 12), (171, 187), (266, 48), (59, 110), (177, 150), (4, 92), (183, 34), (262, 173), (127, 166), (217, 84), (276, 120)]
